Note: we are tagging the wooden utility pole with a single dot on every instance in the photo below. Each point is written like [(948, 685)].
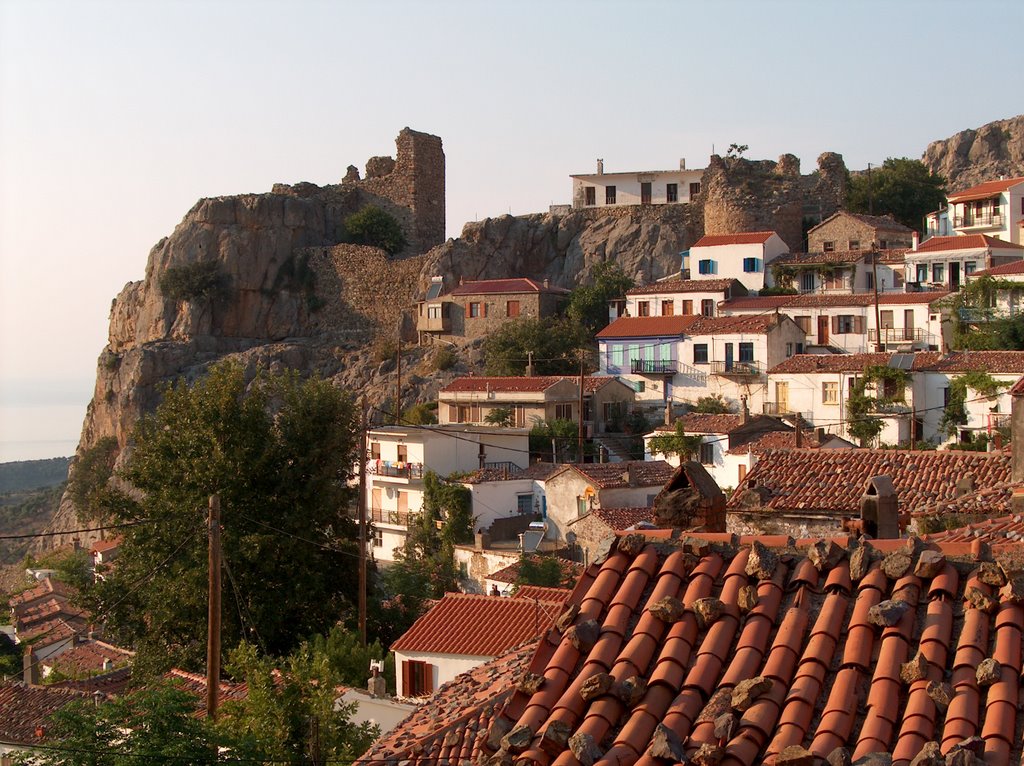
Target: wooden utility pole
[(579, 446), (362, 519), (213, 618)]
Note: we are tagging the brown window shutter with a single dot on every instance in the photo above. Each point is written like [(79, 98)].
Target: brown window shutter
[(835, 325), (405, 677), (858, 325)]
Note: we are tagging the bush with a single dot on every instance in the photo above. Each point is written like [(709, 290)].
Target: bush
[(193, 281), (712, 405), (445, 358), (421, 414), (373, 226)]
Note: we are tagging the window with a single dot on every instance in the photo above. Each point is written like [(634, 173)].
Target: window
[(707, 266), (887, 319), (829, 393), (695, 188), (799, 348), (474, 310), (807, 281), (751, 265), (512, 308), (590, 195), (747, 352), (668, 308), (671, 192), (434, 311), (707, 307), (804, 323), (617, 355), (789, 350), (687, 308), (643, 308), (640, 386), (870, 281), (645, 192), (835, 279), (609, 195), (844, 324), (970, 267), (922, 272), (403, 453), (883, 244), (417, 678), (524, 503), (374, 450), (700, 353), (828, 247), (938, 272), (707, 453), (854, 244), (378, 538), (563, 412)]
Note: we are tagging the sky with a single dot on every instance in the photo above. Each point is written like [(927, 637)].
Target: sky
[(116, 116)]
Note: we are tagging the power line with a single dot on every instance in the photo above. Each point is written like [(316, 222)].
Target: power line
[(80, 530)]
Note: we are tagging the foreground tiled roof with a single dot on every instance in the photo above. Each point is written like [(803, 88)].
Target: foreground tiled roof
[(826, 300), (647, 327), (449, 729), (832, 481), (1007, 269), (986, 189), (963, 242), (687, 286), (988, 501), (998, 362), (619, 519), (477, 626), (25, 711), (541, 593), (711, 649), (835, 363), (522, 383), (629, 473), (747, 238), (520, 285)]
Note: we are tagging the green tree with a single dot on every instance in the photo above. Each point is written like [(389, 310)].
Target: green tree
[(863, 408), (561, 435), (676, 443), (349, 660), (903, 188), (89, 480), (712, 405), (554, 343), (955, 413), (545, 571), (420, 414), (588, 304), (279, 454), (500, 416), (375, 227)]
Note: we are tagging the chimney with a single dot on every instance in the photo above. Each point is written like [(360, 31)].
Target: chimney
[(668, 413), (964, 486), (799, 435), (879, 509), (600, 167), (682, 163), (107, 664), (29, 668), (915, 240), (546, 283), (745, 411), (376, 684)]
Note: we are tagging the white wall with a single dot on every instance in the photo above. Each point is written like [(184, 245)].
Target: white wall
[(443, 666), (728, 261), (498, 499), (627, 186)]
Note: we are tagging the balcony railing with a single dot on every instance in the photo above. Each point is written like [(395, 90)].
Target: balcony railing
[(736, 369), (998, 421), (983, 219), (651, 367), (777, 408), (399, 518), (434, 324), (894, 336), (395, 470)]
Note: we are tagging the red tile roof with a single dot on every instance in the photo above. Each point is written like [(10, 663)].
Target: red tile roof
[(1014, 267), (477, 626), (708, 423), (619, 519), (770, 440), (963, 242), (47, 587), (996, 362), (102, 546), (748, 238), (195, 684), (818, 300), (110, 684), (647, 327), (541, 593), (25, 711), (836, 257), (688, 286), (832, 481), (629, 473), (836, 363), (733, 325), (522, 383), (986, 189), (882, 222), (989, 501), (515, 285), (1000, 530), (728, 647), (570, 571), (87, 659), (1017, 389)]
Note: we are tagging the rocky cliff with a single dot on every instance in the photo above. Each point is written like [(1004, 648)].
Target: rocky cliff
[(980, 154)]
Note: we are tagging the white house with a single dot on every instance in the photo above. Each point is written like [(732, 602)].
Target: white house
[(736, 256), (676, 296), (644, 351), (993, 208), (946, 262), (1007, 298), (399, 456), (462, 631), (651, 187)]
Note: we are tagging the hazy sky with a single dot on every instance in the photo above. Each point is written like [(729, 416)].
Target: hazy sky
[(115, 117)]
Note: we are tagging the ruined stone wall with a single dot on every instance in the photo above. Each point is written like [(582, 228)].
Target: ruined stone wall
[(410, 186)]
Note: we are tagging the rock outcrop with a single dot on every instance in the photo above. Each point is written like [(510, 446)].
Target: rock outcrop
[(981, 154)]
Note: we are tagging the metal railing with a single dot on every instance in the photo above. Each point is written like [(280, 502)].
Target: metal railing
[(652, 367), (398, 518), (978, 219), (395, 470), (736, 369), (897, 335)]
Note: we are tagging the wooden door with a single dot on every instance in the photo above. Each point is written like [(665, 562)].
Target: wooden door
[(782, 397), (823, 331)]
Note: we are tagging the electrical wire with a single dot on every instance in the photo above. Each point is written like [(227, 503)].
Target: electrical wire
[(77, 531)]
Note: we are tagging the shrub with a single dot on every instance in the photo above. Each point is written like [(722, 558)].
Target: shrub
[(445, 358), (712, 405), (193, 281), (421, 414), (375, 227)]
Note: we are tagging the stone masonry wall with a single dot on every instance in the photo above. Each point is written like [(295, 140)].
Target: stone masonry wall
[(843, 229), (775, 523)]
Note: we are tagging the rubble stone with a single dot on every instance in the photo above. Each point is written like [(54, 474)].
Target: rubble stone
[(584, 635), (896, 564), (585, 749), (825, 554), (632, 544), (887, 613), (747, 598), (555, 737), (496, 731), (991, 574), (839, 757), (941, 694), (978, 599), (860, 561), (631, 691), (746, 692), (929, 564), (795, 755), (517, 740), (930, 755), (666, 744), (914, 670), (668, 609), (725, 725), (989, 671), (762, 562), (567, 618), (596, 686), (530, 683), (708, 610), (708, 755)]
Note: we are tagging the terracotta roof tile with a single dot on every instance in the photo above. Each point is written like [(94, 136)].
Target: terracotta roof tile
[(87, 658), (477, 626), (996, 531), (832, 481), (828, 300), (629, 473), (570, 571), (986, 189), (102, 546), (747, 238), (1017, 389), (997, 362), (47, 587), (619, 519), (523, 383), (725, 325), (541, 593), (688, 286), (25, 711), (647, 327), (833, 673), (882, 222), (771, 440), (111, 684), (1007, 269), (836, 363), (708, 423), (514, 285), (195, 684), (989, 501), (963, 242)]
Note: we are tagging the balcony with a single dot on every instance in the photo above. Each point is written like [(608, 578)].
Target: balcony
[(978, 220), (736, 369), (398, 518), (652, 367), (899, 336), (395, 470), (778, 409), (434, 324)]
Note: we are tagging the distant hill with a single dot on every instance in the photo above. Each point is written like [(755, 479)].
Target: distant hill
[(33, 474), (979, 154)]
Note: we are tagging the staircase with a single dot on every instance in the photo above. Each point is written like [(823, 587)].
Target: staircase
[(615, 445)]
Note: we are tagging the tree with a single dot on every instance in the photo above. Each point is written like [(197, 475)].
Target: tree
[(712, 405), (676, 443), (862, 409), (375, 227), (349, 660), (736, 150), (588, 304), (545, 571), (88, 483), (279, 455), (500, 416), (955, 413), (560, 434), (903, 188), (553, 342)]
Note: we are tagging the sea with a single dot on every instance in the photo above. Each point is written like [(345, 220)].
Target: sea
[(37, 432)]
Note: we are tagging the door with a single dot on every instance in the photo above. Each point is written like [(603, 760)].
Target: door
[(908, 324), (645, 193), (728, 357), (823, 331), (782, 397), (954, 276)]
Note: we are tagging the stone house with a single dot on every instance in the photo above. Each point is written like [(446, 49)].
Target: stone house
[(534, 399), (590, 533), (840, 271), (678, 297), (745, 257), (578, 488), (852, 232), (474, 309), (947, 262), (653, 187), (992, 208)]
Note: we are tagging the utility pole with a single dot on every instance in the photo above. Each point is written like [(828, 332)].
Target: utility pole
[(362, 519), (579, 446), (213, 618)]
